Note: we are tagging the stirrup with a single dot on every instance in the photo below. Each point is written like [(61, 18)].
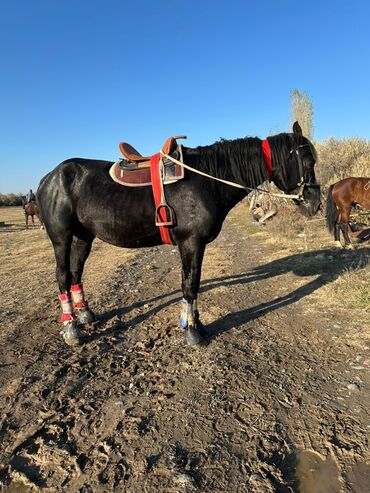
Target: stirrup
[(169, 212)]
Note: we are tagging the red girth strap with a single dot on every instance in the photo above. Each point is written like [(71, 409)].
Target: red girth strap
[(267, 156), (156, 186)]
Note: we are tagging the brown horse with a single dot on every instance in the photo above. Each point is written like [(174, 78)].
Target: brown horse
[(31, 209), (342, 196)]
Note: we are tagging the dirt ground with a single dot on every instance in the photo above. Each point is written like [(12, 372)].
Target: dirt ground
[(277, 401)]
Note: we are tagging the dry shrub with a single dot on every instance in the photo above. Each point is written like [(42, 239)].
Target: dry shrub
[(361, 166), (287, 223), (341, 158)]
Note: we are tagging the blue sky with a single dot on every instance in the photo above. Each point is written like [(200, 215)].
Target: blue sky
[(77, 76)]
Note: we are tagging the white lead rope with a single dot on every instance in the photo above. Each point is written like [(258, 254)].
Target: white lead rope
[(231, 183)]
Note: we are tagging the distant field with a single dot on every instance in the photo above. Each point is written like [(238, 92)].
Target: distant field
[(13, 217)]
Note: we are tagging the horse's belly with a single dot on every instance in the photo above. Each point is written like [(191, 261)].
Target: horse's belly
[(129, 234), (132, 242), (366, 202)]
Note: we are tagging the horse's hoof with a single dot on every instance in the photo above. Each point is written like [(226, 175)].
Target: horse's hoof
[(71, 333), (201, 329), (86, 316), (193, 336)]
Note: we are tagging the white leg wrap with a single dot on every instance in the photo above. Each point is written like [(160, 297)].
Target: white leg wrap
[(187, 313)]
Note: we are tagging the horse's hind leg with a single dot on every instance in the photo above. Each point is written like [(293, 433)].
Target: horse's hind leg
[(336, 232), (347, 242), (344, 219), (33, 221), (80, 250), (62, 250), (191, 253), (41, 223)]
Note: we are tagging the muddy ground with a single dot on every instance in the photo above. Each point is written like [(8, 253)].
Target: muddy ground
[(277, 401)]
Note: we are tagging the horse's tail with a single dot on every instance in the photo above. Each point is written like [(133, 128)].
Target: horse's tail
[(38, 212), (331, 211)]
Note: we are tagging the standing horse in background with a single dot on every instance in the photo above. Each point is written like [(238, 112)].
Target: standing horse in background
[(342, 196), (31, 209), (79, 201)]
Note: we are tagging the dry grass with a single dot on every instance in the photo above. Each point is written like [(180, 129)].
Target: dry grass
[(290, 231), (13, 218), (352, 288), (295, 232)]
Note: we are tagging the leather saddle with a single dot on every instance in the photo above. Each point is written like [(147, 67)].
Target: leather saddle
[(135, 160), (134, 170)]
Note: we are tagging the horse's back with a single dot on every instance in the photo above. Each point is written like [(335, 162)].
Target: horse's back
[(70, 170), (353, 181), (67, 178), (352, 190), (61, 187)]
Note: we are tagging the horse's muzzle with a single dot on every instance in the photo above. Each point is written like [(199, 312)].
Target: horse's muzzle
[(310, 203), (309, 209)]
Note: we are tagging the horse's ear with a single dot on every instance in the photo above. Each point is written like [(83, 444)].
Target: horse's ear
[(297, 130)]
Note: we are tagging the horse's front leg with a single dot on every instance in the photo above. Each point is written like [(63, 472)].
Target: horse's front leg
[(191, 252)]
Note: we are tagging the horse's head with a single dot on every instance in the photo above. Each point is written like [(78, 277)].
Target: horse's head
[(295, 173)]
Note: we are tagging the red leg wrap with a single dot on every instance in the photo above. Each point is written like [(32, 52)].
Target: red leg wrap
[(78, 296), (67, 308), (67, 317)]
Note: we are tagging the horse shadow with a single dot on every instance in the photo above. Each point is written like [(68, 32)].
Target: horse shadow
[(326, 265)]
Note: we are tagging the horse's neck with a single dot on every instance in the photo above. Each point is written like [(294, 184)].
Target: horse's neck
[(229, 197)]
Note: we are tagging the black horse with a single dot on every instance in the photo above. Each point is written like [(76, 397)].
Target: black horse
[(79, 201)]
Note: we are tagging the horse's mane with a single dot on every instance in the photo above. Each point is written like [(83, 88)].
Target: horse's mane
[(226, 159), (280, 145), (246, 164)]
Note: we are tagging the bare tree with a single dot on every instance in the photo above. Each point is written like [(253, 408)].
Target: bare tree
[(302, 111)]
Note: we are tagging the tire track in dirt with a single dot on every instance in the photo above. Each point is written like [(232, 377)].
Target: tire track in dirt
[(134, 409)]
